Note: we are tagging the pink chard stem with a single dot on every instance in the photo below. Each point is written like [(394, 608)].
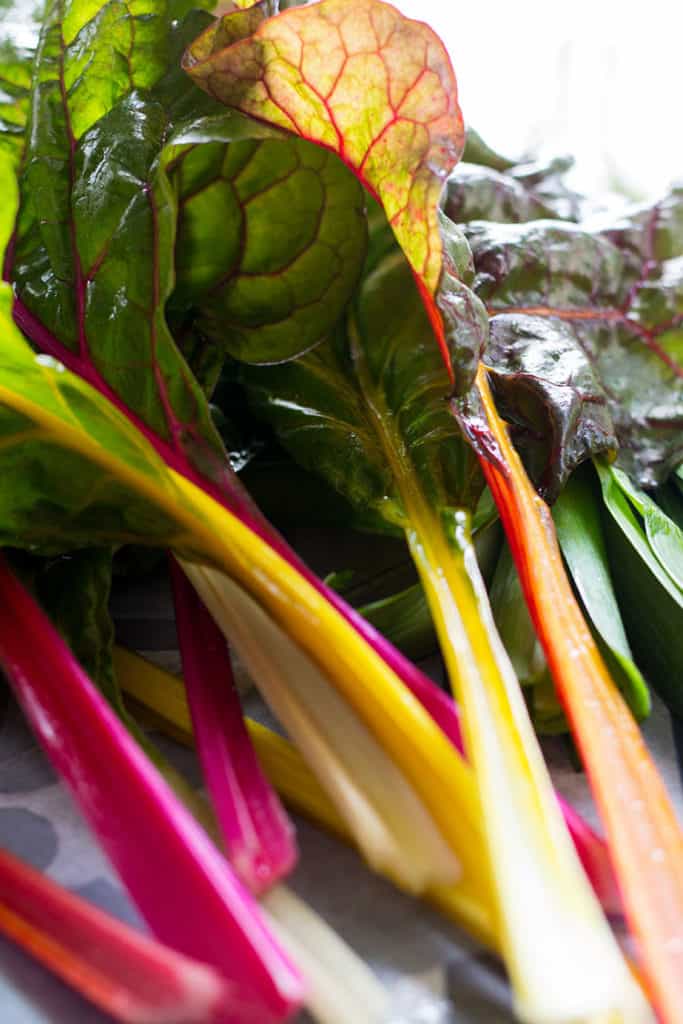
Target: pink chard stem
[(182, 886), (258, 834)]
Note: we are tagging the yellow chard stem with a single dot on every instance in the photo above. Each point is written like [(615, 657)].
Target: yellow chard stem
[(564, 962), (223, 554), (164, 695)]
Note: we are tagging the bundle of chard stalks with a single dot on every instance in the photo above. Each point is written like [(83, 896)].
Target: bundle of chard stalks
[(259, 251)]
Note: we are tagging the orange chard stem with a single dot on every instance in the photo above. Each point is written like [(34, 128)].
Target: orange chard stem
[(645, 839)]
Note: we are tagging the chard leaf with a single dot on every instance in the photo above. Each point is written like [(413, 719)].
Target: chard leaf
[(308, 71), (579, 531), (15, 88), (586, 338), (271, 239), (643, 583), (95, 198), (80, 473), (91, 193), (367, 407), (664, 536), (305, 71)]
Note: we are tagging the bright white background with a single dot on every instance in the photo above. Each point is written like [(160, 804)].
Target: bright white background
[(600, 79)]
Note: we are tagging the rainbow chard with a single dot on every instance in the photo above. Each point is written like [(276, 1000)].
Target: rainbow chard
[(367, 409), (124, 408), (298, 72)]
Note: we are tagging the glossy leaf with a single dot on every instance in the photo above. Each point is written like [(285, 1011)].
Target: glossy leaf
[(306, 71), (492, 188), (371, 398), (585, 337), (577, 521), (664, 536), (271, 240), (81, 473), (642, 582), (80, 296), (15, 87)]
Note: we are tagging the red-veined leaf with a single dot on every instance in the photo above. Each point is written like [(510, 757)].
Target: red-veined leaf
[(359, 78)]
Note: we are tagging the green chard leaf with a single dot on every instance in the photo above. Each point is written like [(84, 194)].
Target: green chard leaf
[(15, 90), (271, 237), (650, 601), (80, 473), (579, 531), (301, 73), (91, 197)]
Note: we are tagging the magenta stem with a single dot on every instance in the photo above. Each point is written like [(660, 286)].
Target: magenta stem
[(182, 886), (258, 834)]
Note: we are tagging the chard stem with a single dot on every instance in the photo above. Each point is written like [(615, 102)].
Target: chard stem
[(644, 836)]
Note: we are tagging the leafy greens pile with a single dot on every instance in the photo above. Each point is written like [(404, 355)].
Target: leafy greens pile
[(269, 209)]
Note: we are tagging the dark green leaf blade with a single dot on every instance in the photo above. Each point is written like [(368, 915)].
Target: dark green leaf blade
[(664, 536), (579, 531), (96, 197), (650, 602)]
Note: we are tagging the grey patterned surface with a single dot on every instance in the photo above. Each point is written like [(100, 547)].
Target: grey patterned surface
[(436, 975)]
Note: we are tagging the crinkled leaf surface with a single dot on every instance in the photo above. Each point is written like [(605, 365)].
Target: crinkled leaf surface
[(587, 337), (368, 406), (358, 78), (485, 186), (271, 239), (77, 472)]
